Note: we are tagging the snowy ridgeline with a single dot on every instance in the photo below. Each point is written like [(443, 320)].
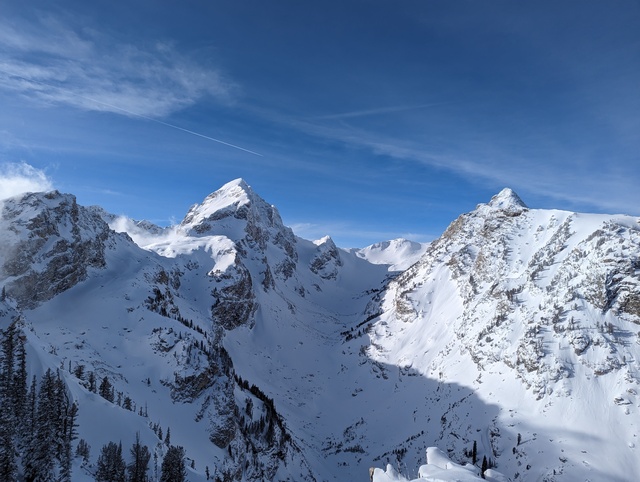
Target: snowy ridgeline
[(439, 468)]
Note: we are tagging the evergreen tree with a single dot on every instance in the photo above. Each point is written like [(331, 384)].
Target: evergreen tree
[(83, 450), (485, 466), (91, 378), (8, 465), (28, 436), (30, 413), (111, 465), (69, 435), (19, 385), (8, 353), (173, 468), (79, 372), (474, 453), (39, 457), (167, 438), (140, 461), (50, 422), (106, 390), (155, 465), (60, 418)]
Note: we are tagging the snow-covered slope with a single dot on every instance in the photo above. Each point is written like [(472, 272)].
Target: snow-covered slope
[(271, 357), (537, 313)]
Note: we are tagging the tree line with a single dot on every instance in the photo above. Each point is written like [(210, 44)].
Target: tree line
[(111, 466), (38, 421), (38, 425)]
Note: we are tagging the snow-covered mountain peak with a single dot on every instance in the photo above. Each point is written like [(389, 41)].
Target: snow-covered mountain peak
[(326, 261), (236, 192), (238, 183), (43, 214), (398, 253), (507, 200), (31, 201), (233, 210), (325, 240)]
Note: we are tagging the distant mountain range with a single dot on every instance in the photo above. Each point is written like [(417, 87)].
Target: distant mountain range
[(270, 357)]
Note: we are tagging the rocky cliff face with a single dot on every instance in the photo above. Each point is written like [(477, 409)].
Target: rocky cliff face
[(263, 248), (49, 245), (326, 261)]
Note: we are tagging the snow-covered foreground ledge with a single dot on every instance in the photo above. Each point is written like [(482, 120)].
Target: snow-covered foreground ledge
[(439, 468)]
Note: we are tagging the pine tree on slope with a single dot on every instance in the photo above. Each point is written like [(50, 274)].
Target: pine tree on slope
[(106, 390), (140, 461), (173, 468), (8, 354), (19, 384), (38, 460), (474, 453), (8, 465), (69, 435), (111, 465)]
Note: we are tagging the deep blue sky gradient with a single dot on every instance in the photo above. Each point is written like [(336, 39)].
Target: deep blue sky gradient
[(374, 119)]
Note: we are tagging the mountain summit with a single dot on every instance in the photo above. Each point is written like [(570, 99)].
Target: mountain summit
[(507, 199), (235, 200)]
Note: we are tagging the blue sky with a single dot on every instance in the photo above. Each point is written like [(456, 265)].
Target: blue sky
[(364, 120)]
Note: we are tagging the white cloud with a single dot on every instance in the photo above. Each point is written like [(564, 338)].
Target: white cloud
[(18, 178), (141, 236), (54, 63)]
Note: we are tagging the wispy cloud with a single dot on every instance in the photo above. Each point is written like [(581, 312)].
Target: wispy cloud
[(18, 178), (549, 170), (556, 177), (104, 191), (142, 236), (59, 63), (378, 111)]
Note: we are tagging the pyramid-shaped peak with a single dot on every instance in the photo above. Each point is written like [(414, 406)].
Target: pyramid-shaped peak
[(507, 199), (234, 200), (234, 194), (325, 240), (237, 184), (238, 188)]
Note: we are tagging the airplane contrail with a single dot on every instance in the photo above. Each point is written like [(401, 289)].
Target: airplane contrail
[(380, 110), (135, 114), (170, 125)]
